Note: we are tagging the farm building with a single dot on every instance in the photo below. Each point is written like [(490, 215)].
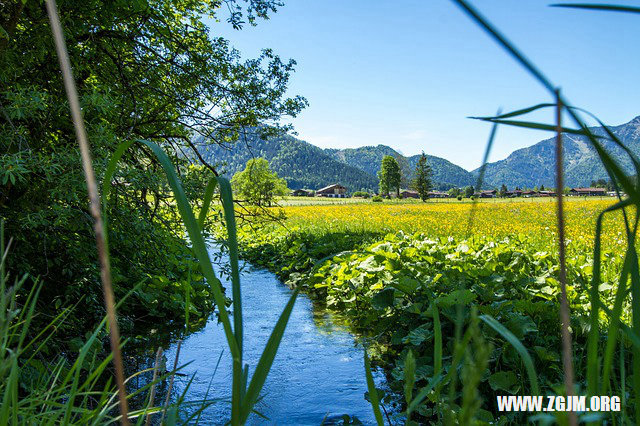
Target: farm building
[(438, 194), (513, 194), (486, 194), (332, 191), (302, 193), (588, 192), (407, 193)]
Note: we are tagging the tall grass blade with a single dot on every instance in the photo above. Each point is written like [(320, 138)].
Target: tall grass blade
[(373, 393), (567, 352), (603, 7), (152, 394), (191, 225), (437, 342), (206, 201), (200, 250), (171, 379), (232, 242), (517, 345), (409, 376), (614, 322)]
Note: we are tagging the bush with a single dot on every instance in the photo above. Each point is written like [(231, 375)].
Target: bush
[(377, 199), (459, 197), (361, 194)]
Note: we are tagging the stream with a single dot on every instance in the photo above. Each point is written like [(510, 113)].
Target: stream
[(317, 375)]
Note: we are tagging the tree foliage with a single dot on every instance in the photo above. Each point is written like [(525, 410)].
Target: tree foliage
[(389, 176), (144, 70), (468, 191), (258, 184), (422, 181)]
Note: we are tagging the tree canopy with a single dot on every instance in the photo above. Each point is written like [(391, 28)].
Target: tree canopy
[(258, 184), (389, 175), (145, 69), (422, 181)]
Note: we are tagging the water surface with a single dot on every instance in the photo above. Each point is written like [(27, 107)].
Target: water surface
[(317, 374)]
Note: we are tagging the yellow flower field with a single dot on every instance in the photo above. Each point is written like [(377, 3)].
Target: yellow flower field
[(536, 219)]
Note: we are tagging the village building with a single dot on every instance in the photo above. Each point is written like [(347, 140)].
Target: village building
[(438, 194), (513, 194), (588, 192), (486, 194), (332, 191), (408, 193)]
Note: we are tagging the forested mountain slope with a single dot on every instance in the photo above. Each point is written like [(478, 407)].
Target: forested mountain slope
[(303, 165), (534, 165)]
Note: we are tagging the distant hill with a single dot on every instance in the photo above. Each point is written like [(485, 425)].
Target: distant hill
[(368, 158), (534, 165), (307, 166), (303, 165)]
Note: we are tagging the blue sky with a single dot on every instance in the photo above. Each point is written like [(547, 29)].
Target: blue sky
[(408, 73)]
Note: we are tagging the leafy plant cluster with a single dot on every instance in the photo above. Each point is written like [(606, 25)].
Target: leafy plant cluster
[(393, 289)]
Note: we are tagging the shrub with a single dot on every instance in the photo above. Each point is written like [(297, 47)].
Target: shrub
[(459, 197), (361, 194), (376, 199)]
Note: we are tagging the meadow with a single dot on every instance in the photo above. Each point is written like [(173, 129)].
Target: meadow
[(402, 272)]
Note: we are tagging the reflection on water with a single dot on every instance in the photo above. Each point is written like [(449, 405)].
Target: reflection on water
[(317, 374)]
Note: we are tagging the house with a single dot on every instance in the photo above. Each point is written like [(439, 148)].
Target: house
[(301, 193), (486, 194), (529, 194), (546, 194), (332, 191), (438, 194), (513, 194), (588, 192), (407, 193)]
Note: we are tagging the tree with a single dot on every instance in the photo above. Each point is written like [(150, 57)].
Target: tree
[(454, 192), (390, 176), (143, 70), (406, 174), (422, 181), (258, 184), (468, 191), (503, 191), (541, 187)]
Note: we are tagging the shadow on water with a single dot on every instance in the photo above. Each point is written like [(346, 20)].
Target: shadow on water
[(318, 373)]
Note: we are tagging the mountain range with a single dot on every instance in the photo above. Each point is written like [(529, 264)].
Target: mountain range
[(535, 165), (304, 165)]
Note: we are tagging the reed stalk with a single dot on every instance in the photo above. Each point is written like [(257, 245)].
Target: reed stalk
[(567, 361), (152, 393), (94, 203), (170, 388)]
